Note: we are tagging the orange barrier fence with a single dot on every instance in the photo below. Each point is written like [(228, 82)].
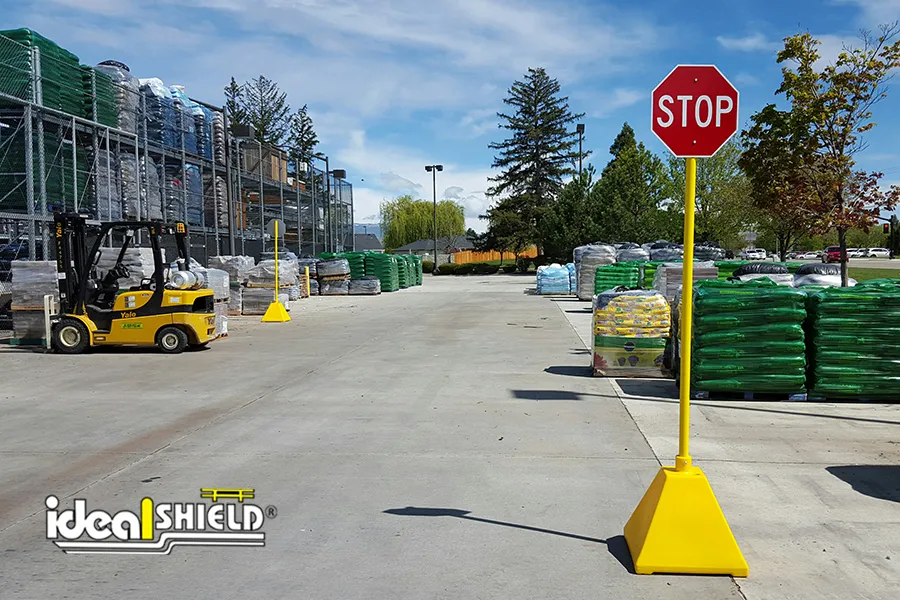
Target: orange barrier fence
[(469, 256)]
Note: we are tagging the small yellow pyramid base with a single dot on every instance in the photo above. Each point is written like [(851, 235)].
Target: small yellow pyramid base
[(276, 313), (678, 527)]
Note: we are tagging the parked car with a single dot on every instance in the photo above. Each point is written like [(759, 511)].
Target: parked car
[(857, 252), (832, 254), (753, 254), (808, 255), (878, 253)]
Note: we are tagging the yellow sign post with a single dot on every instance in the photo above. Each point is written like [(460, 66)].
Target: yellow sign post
[(678, 526), (276, 313)]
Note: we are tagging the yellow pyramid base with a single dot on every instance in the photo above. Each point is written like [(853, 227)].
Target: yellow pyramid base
[(276, 313), (678, 527)]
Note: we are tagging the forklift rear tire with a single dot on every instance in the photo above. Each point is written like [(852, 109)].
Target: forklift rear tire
[(172, 340), (70, 336)]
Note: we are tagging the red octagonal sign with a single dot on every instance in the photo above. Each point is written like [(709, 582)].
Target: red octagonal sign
[(695, 110)]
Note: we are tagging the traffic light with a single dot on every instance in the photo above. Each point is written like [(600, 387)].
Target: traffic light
[(886, 228)]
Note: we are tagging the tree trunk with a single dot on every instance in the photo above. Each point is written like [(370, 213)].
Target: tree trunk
[(842, 242)]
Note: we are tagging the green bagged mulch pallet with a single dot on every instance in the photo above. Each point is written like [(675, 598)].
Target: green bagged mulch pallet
[(417, 267), (748, 337), (357, 262), (403, 271), (728, 267), (61, 76), (101, 83), (627, 274), (649, 272), (385, 267), (853, 349)]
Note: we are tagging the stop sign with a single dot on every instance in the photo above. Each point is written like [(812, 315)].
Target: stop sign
[(695, 110)]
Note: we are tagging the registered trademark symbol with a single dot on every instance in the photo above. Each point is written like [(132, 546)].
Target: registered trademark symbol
[(271, 512)]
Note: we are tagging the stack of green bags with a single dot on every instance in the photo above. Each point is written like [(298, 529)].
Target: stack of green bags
[(728, 267), (385, 268), (417, 268), (854, 350), (748, 337), (61, 77), (105, 96), (626, 274), (403, 271), (649, 272), (357, 262)]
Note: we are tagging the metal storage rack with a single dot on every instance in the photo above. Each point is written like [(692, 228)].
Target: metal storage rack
[(68, 164)]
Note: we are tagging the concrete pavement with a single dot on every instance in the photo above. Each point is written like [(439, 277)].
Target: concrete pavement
[(430, 443)]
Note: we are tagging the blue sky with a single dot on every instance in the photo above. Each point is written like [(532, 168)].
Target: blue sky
[(394, 85)]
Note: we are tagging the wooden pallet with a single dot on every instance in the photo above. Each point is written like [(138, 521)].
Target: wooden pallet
[(752, 396)]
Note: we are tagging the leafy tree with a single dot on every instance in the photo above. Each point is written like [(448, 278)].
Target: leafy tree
[(569, 221), (267, 110), (302, 137), (405, 220), (722, 205), (508, 230), (778, 187), (830, 109), (630, 190), (538, 155), (234, 103)]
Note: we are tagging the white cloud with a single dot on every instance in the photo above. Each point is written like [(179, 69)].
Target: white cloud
[(619, 98), (478, 122), (395, 183), (755, 42), (875, 12)]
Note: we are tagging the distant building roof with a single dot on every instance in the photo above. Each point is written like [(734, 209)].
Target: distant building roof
[(367, 241), (455, 242)]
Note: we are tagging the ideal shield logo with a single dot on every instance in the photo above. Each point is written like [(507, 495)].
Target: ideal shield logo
[(77, 531)]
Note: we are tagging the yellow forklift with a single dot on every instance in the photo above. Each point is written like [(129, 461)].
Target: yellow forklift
[(167, 310)]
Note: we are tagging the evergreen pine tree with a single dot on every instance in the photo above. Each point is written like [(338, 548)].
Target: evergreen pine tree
[(302, 137), (267, 110), (536, 157), (235, 103)]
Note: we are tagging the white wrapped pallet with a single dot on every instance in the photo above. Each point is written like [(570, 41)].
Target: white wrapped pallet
[(263, 274), (587, 259), (236, 301), (668, 277), (779, 278), (31, 281), (221, 311), (219, 282), (236, 266), (257, 300)]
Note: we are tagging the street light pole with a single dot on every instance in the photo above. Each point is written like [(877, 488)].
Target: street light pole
[(433, 169), (580, 129)]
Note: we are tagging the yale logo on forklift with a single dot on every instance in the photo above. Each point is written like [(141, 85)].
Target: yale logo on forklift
[(129, 315), (132, 325)]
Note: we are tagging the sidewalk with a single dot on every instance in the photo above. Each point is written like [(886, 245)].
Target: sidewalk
[(811, 490)]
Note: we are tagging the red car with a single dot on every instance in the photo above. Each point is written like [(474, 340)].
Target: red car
[(832, 254)]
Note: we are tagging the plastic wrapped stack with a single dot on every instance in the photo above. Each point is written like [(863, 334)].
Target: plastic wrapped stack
[(313, 286), (255, 301), (820, 275), (630, 332), (127, 93), (333, 269), (631, 253), (194, 184), (219, 282), (173, 194), (368, 285), (215, 209), (706, 252), (163, 119), (263, 274), (760, 270), (60, 78), (853, 347), (99, 94), (218, 133), (573, 278), (187, 129), (151, 189), (553, 279), (748, 337), (386, 269), (619, 274), (587, 259), (31, 281), (666, 252), (138, 261), (131, 186), (237, 267), (221, 311), (667, 279), (334, 287), (311, 264), (106, 186)]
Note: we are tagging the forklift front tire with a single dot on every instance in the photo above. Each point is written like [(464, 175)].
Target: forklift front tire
[(70, 336), (172, 340)]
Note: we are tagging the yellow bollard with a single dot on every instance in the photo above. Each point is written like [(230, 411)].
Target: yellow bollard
[(678, 526), (276, 313)]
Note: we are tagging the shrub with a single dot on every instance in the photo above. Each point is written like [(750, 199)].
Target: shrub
[(491, 269), (481, 268), (464, 269), (447, 269), (523, 264), (427, 266), (508, 268)]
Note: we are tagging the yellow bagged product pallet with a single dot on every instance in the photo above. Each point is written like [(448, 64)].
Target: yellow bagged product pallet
[(630, 332)]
